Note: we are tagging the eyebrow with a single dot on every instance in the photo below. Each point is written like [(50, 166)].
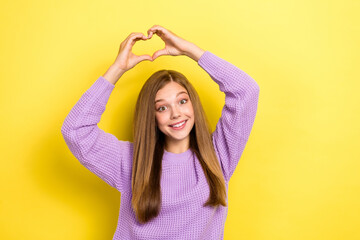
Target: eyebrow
[(176, 96)]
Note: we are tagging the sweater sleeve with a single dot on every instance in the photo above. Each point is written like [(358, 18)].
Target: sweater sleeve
[(100, 152), (238, 114)]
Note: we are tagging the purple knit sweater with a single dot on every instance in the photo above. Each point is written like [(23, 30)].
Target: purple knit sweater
[(184, 187)]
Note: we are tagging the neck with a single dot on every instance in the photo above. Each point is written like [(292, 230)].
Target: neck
[(177, 146)]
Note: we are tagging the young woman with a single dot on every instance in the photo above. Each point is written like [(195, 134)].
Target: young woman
[(174, 176)]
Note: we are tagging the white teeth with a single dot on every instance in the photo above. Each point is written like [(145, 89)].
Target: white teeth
[(178, 125)]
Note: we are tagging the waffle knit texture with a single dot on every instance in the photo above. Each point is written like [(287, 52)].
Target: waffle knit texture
[(184, 187)]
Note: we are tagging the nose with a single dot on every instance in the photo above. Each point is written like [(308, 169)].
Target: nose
[(175, 113)]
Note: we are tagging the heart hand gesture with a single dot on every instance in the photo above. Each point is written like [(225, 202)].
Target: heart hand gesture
[(174, 45), (126, 59)]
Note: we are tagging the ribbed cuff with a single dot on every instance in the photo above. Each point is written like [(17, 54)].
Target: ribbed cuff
[(101, 90)]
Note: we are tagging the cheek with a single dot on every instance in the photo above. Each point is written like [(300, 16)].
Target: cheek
[(190, 110), (160, 119)]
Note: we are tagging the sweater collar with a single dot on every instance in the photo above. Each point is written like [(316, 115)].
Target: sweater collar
[(170, 157)]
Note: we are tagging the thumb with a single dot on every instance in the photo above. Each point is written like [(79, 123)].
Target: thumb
[(159, 53), (143, 58)]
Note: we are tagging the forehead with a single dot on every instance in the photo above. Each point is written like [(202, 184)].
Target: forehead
[(170, 90)]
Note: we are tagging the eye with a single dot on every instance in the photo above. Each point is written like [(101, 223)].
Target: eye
[(159, 109), (184, 100)]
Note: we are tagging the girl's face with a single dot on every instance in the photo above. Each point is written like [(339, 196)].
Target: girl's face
[(173, 107)]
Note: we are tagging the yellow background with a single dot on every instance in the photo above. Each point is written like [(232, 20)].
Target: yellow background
[(298, 177)]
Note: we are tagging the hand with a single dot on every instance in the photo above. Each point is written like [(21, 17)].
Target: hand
[(174, 45), (126, 59)]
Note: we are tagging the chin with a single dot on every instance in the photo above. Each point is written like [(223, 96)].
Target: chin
[(178, 137)]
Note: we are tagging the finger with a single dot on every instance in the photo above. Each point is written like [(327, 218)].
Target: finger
[(143, 58), (146, 57), (150, 34), (128, 39), (160, 31), (130, 35), (157, 27), (159, 53), (135, 37)]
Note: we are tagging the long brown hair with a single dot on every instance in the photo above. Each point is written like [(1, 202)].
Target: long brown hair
[(149, 144)]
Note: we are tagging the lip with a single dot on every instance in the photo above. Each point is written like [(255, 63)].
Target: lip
[(176, 123), (179, 128)]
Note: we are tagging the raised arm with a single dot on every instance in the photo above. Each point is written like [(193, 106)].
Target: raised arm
[(238, 114), (100, 152)]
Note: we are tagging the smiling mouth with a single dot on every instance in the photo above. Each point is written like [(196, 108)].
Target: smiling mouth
[(179, 125)]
